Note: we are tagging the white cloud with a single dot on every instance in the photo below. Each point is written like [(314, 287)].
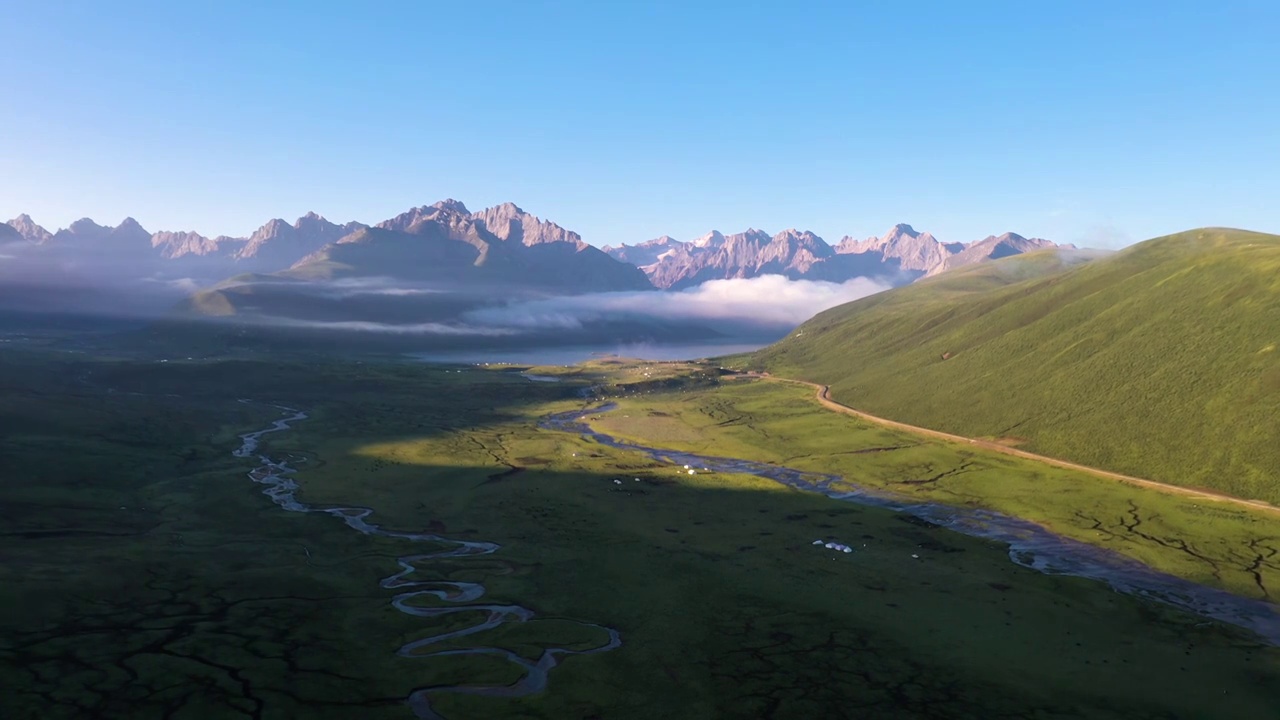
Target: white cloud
[(188, 285), (396, 291), (351, 287), (429, 328), (771, 303), (346, 287), (770, 300)]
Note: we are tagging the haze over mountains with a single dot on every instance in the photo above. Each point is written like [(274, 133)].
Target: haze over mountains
[(504, 240), (442, 270), (902, 255)]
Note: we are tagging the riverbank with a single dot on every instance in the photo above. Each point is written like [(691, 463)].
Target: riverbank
[(221, 603)]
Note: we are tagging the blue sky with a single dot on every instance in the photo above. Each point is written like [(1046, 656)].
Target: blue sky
[(1099, 123)]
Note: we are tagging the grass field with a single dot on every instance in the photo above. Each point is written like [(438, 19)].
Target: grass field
[(1209, 542), (143, 574), (1159, 361)]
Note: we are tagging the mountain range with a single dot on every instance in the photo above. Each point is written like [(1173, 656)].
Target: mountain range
[(901, 255), (447, 242), (442, 276)]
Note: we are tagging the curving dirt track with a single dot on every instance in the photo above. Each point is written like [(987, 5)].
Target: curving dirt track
[(823, 396)]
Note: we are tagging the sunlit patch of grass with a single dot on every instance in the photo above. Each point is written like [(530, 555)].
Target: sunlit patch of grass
[(725, 607), (1209, 542), (1145, 362)]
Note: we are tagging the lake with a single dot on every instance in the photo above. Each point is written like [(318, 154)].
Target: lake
[(574, 355)]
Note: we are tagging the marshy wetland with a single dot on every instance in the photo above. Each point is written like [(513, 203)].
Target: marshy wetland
[(145, 575)]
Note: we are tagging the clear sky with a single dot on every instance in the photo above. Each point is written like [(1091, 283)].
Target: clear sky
[(1099, 123)]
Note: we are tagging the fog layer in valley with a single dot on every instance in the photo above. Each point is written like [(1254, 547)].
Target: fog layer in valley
[(770, 302), (762, 307), (434, 317)]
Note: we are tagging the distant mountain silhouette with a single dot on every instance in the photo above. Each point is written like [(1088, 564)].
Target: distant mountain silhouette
[(446, 242), (901, 255)]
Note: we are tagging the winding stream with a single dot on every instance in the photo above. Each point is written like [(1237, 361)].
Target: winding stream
[(283, 492), (1030, 545)]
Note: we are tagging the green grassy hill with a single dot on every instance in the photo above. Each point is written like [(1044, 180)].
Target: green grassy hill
[(1162, 360)]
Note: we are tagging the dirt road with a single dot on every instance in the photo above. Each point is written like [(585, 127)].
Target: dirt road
[(822, 393)]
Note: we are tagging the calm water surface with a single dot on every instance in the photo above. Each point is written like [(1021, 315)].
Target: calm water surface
[(575, 355)]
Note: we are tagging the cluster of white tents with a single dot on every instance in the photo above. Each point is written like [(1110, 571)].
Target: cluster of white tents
[(834, 546)]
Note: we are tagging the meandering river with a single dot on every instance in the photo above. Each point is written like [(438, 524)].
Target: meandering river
[(1029, 545), (461, 595)]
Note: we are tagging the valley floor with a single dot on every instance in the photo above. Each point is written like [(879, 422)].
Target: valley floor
[(145, 575)]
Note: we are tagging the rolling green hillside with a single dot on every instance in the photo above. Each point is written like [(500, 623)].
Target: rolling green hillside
[(1162, 360)]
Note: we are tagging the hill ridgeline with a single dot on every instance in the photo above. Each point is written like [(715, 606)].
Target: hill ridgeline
[(1160, 361)]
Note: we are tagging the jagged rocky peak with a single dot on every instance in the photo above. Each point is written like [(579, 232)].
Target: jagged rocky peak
[(741, 247), (797, 249), (178, 244), (711, 239), (28, 229), (451, 205), (274, 227), (1012, 240), (84, 226), (509, 223), (645, 253), (915, 251), (803, 239), (312, 220), (450, 211), (664, 241), (316, 227), (81, 233), (896, 235), (992, 247), (279, 244), (130, 230), (274, 230)]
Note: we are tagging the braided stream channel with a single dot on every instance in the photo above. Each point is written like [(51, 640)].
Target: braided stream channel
[(460, 596)]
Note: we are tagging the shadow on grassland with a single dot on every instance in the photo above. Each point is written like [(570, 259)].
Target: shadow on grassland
[(77, 391), (230, 605), (143, 574)]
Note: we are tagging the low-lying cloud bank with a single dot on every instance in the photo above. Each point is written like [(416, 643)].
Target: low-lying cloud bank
[(427, 328), (768, 304), (766, 301), (341, 287), (352, 287), (756, 309)]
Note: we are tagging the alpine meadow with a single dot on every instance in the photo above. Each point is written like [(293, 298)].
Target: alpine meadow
[(1158, 361), (628, 360)]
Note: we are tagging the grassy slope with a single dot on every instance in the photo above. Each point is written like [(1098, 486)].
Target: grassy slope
[(1211, 543), (1159, 361), (209, 603)]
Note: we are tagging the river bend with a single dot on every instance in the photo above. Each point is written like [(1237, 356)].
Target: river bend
[(1030, 545), (283, 492)]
